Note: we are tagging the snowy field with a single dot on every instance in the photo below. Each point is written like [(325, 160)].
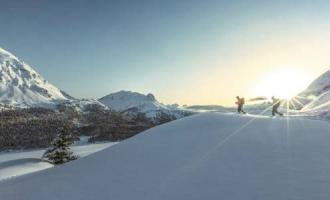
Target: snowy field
[(205, 156), (23, 162)]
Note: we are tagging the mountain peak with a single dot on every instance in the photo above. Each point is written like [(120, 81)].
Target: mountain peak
[(134, 103), (21, 85), (130, 94), (124, 100)]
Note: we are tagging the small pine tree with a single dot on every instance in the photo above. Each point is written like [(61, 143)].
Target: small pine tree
[(61, 152)]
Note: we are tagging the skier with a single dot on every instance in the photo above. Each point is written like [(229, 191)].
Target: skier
[(276, 104), (240, 102)]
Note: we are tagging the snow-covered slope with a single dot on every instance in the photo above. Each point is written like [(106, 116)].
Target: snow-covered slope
[(319, 107), (81, 105), (206, 156), (319, 86), (321, 102), (133, 102), (22, 86), (13, 164), (315, 100)]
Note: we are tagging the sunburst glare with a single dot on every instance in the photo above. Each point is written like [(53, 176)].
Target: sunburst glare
[(283, 83)]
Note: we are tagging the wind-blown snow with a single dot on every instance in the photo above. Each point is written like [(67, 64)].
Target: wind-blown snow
[(206, 156), (22, 86)]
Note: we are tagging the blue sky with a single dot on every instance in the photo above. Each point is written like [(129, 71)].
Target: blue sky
[(187, 51)]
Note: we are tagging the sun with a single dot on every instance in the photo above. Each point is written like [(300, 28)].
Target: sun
[(283, 83)]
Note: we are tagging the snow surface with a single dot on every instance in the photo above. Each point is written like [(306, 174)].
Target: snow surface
[(205, 156), (22, 86), (20, 167), (24, 162)]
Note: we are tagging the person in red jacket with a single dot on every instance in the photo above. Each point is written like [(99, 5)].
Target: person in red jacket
[(240, 102)]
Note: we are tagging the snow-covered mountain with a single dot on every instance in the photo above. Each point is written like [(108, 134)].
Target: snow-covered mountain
[(315, 100), (134, 103), (319, 107), (319, 86), (22, 86), (206, 156), (124, 100), (320, 102)]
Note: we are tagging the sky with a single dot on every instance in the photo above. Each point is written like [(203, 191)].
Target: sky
[(186, 52)]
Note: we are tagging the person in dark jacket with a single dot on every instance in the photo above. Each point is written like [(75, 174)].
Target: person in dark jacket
[(240, 102), (276, 105)]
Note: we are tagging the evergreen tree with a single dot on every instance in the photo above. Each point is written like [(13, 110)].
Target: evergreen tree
[(61, 152)]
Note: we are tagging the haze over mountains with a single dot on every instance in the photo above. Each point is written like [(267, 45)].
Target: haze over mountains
[(206, 156), (22, 86)]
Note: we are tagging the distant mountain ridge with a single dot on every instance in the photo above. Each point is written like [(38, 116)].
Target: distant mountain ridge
[(134, 103), (22, 86), (124, 100)]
